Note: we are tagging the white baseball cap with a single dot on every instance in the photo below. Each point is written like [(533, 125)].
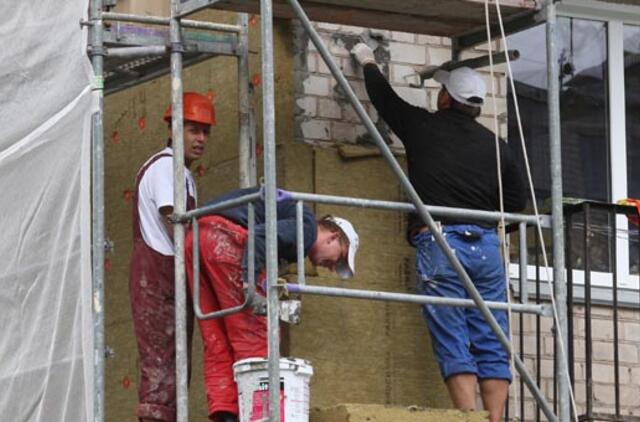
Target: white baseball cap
[(464, 85), (346, 268)]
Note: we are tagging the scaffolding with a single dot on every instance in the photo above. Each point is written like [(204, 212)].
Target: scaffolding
[(125, 60)]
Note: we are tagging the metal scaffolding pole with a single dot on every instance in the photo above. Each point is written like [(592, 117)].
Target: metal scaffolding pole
[(457, 213), (150, 50), (559, 282), (244, 122), (269, 140), (159, 20), (523, 264), (97, 209), (542, 310), (179, 208), (300, 241), (420, 208)]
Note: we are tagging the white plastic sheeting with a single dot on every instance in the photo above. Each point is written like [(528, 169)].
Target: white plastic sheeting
[(46, 334)]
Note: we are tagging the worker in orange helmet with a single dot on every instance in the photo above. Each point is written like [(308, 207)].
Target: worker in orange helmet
[(151, 272)]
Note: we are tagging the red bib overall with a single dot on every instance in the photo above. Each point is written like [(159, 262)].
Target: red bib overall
[(152, 296), (234, 337)]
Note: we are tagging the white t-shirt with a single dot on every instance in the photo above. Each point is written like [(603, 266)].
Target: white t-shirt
[(154, 192)]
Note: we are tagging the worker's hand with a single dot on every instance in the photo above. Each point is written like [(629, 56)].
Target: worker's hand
[(363, 54)]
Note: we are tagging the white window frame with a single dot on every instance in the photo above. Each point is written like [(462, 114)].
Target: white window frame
[(615, 16)]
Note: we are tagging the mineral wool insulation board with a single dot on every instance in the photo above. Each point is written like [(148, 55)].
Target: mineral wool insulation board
[(433, 17)]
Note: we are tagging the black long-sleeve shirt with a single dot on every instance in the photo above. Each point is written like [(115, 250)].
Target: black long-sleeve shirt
[(286, 212), (451, 157)]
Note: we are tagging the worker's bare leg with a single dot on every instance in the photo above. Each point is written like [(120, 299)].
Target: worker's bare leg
[(462, 390), (494, 396)]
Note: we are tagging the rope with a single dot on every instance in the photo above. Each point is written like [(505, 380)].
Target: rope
[(503, 236)]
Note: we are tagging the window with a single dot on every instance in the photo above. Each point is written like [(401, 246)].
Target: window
[(591, 145)]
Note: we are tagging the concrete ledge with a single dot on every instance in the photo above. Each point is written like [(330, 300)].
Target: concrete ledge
[(382, 413)]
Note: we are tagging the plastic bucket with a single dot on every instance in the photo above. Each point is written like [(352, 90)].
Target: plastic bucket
[(252, 377)]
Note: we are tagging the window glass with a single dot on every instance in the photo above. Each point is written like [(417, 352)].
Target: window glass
[(584, 119)]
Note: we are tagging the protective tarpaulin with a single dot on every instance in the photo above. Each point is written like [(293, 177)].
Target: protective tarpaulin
[(46, 334)]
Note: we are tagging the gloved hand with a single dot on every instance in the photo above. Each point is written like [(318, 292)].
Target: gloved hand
[(363, 54)]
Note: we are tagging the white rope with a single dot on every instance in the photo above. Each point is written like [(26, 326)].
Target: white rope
[(503, 236), (563, 352)]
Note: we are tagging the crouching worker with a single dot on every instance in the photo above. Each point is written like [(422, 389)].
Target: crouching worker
[(329, 242)]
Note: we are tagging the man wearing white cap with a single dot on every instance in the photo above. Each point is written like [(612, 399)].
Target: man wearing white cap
[(329, 242), (452, 162)]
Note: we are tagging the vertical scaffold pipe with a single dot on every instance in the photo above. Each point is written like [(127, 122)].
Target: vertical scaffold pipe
[(179, 208), (268, 122), (244, 154), (300, 241), (522, 246), (559, 282), (97, 209), (421, 208)]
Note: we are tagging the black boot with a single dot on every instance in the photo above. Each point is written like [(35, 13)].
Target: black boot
[(225, 417)]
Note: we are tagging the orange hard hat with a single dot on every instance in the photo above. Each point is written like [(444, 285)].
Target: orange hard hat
[(196, 108)]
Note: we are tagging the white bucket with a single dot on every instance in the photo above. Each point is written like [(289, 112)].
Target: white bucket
[(252, 377)]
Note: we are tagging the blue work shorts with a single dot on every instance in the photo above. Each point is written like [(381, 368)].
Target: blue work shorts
[(462, 340)]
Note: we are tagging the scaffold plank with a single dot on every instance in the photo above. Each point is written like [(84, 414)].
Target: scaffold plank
[(433, 17)]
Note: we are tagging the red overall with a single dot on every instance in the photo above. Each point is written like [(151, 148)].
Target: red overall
[(151, 292), (232, 338)]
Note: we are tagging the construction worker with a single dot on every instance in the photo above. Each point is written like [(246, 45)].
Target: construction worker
[(452, 162), (330, 242), (151, 275)]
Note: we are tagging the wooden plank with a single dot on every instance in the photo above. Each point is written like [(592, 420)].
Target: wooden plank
[(143, 7), (434, 17), (454, 9), (522, 4)]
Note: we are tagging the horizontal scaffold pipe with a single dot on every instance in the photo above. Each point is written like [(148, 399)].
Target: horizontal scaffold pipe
[(160, 20), (210, 209), (476, 215), (150, 50), (541, 310)]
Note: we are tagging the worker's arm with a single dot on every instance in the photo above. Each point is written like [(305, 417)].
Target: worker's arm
[(165, 213), (287, 238), (393, 109), (159, 188), (513, 180)]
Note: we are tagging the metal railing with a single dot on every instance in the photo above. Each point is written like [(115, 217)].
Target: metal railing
[(580, 221), (592, 231)]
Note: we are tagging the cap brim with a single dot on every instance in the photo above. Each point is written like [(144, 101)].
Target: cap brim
[(346, 268)]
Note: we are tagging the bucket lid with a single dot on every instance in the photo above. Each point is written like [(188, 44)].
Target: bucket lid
[(297, 365)]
